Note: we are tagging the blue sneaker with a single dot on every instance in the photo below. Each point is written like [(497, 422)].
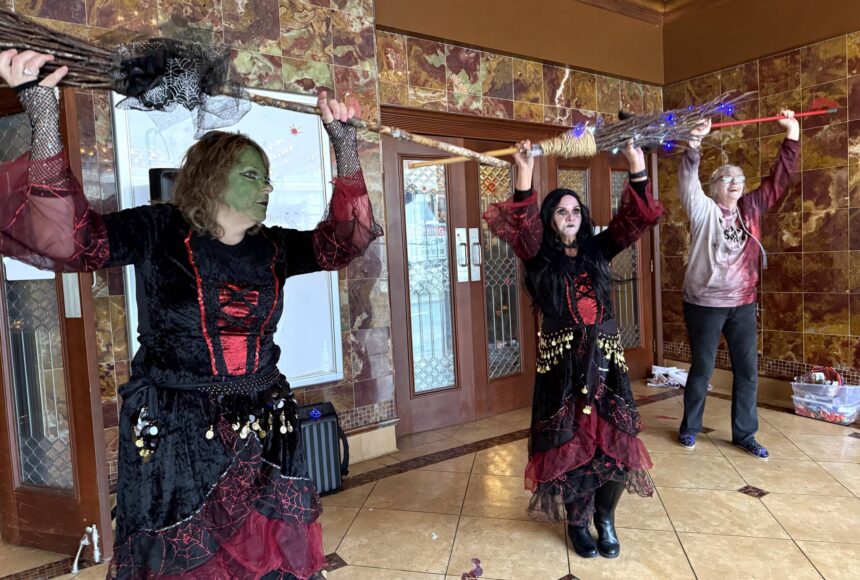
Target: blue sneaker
[(688, 441), (754, 448)]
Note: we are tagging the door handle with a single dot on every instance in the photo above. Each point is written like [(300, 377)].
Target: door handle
[(475, 256), (462, 256), (462, 251)]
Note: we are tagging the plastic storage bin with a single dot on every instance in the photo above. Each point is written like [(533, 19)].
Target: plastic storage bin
[(832, 403)]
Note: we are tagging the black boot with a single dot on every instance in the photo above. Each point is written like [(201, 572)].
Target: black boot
[(580, 537), (605, 499)]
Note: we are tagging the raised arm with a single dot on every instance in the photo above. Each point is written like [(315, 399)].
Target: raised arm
[(45, 219), (637, 210), (774, 187), (693, 197), (517, 220)]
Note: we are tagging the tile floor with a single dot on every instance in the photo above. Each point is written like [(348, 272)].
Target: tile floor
[(717, 513)]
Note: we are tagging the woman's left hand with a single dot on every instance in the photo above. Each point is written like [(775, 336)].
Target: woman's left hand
[(790, 124), (635, 157), (332, 110)]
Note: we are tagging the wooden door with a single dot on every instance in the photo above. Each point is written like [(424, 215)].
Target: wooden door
[(53, 472)]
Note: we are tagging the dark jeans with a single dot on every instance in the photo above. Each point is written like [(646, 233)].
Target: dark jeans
[(738, 325)]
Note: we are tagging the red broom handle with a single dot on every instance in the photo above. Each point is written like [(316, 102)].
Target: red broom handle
[(774, 118)]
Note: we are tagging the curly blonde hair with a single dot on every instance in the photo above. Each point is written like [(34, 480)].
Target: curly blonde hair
[(201, 180)]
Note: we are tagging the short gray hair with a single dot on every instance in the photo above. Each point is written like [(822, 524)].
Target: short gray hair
[(718, 172)]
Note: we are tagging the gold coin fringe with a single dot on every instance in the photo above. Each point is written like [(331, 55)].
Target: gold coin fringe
[(551, 347), (611, 347)]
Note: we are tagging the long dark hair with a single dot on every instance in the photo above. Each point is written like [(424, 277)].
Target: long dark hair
[(552, 265)]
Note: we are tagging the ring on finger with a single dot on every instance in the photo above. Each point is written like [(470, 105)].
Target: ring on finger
[(29, 72)]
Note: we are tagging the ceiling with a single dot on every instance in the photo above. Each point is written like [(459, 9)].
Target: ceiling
[(654, 11)]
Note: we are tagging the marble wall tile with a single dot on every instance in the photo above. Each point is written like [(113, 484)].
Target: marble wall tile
[(426, 62), (672, 272), (779, 74), (854, 228), (528, 81), (371, 353), (360, 7), (825, 189), (374, 390), (783, 345), (368, 304), (673, 307), (69, 11), (782, 232), (825, 231), (632, 97), (825, 146), (773, 104), (675, 96), (835, 91), (557, 116), (252, 26), (826, 350), (116, 282), (826, 272), (361, 85), (258, 70), (467, 104), (529, 112), (429, 99), (464, 69), (373, 264), (702, 89), (135, 15), (740, 80), (352, 40), (825, 313), (784, 273), (107, 380), (556, 86), (583, 90), (854, 271), (854, 306), (307, 77), (393, 94), (741, 111), (497, 108), (341, 396), (853, 98), (306, 31), (675, 333), (497, 76), (391, 57), (104, 331), (854, 142), (608, 95), (782, 311), (652, 99), (204, 14), (744, 154), (675, 239), (853, 41), (119, 328), (854, 185), (110, 413), (824, 62)]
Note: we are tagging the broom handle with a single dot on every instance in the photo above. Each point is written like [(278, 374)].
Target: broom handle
[(773, 118), (449, 160), (386, 130)]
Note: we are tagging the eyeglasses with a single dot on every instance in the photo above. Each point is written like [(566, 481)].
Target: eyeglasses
[(256, 177), (738, 179)]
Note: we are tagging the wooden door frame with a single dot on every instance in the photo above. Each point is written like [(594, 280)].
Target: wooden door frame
[(86, 433)]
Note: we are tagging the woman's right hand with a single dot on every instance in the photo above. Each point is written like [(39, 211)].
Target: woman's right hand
[(19, 68), (525, 165), (699, 133)]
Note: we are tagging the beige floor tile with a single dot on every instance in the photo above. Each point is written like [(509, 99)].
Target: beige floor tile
[(848, 474), (790, 423), (461, 464), (697, 471), (665, 440), (510, 459), (497, 496), (833, 519), (517, 419), (372, 464), (788, 476), (510, 549), (419, 439), (425, 449), (335, 522), (645, 555), (719, 512), (417, 542), (828, 447), (354, 497), (778, 445), (92, 573), (834, 561), (439, 492), (732, 557), (362, 573), (642, 513), (18, 558), (479, 430)]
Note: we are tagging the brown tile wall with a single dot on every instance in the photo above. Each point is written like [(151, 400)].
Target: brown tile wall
[(810, 294)]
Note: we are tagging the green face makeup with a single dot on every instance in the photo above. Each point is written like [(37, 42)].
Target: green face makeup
[(247, 186)]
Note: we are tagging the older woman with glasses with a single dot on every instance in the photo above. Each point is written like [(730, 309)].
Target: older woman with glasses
[(721, 279)]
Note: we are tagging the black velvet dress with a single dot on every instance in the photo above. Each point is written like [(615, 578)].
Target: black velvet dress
[(212, 480)]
